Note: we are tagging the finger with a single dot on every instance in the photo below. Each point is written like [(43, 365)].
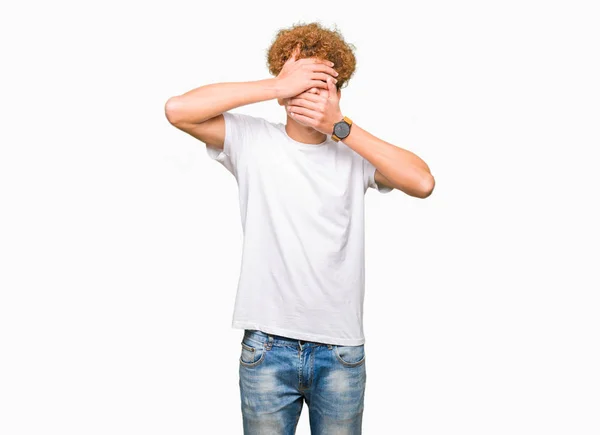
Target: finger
[(304, 119), (322, 93), (320, 85), (310, 97), (303, 103), (324, 68), (313, 90), (331, 88), (322, 76), (318, 93), (303, 111)]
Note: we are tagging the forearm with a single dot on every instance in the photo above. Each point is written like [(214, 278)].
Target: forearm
[(404, 170), (208, 101)]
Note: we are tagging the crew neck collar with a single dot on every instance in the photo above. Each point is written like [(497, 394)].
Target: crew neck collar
[(302, 144)]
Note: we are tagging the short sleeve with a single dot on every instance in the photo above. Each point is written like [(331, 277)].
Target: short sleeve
[(238, 130), (369, 178)]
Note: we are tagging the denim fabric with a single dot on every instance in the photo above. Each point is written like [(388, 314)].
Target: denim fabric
[(277, 374)]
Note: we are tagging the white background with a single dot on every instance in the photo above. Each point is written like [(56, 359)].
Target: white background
[(120, 239)]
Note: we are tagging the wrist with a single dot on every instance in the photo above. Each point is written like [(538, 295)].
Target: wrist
[(274, 85)]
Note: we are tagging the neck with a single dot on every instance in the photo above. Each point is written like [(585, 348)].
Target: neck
[(302, 133)]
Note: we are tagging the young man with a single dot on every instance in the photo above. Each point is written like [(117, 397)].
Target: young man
[(301, 193)]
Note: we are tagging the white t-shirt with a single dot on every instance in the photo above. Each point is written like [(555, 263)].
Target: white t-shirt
[(302, 209)]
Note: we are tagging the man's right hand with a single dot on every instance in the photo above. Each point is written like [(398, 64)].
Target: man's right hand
[(298, 76), (198, 112)]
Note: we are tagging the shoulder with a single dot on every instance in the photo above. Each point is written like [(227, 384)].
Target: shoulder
[(250, 127), (248, 121)]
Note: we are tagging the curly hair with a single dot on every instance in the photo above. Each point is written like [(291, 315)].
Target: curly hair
[(315, 41)]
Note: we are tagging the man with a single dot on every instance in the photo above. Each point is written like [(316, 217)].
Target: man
[(301, 193)]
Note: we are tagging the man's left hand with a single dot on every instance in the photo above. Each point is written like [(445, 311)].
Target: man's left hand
[(317, 110)]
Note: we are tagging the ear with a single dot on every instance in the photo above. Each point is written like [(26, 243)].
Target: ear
[(293, 56), (296, 51)]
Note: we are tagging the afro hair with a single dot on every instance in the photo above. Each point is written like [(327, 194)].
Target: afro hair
[(315, 41)]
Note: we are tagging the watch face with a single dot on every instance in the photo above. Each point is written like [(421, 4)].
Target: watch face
[(341, 130)]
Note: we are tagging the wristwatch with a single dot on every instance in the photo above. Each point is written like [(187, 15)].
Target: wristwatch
[(341, 129)]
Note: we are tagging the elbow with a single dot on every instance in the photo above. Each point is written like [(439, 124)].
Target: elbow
[(172, 110), (426, 186)]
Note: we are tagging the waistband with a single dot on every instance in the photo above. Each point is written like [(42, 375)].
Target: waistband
[(277, 340)]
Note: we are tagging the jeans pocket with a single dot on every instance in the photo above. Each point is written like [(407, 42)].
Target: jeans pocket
[(350, 356), (251, 355)]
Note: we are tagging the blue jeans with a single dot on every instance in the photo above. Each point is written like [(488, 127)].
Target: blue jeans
[(277, 374)]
